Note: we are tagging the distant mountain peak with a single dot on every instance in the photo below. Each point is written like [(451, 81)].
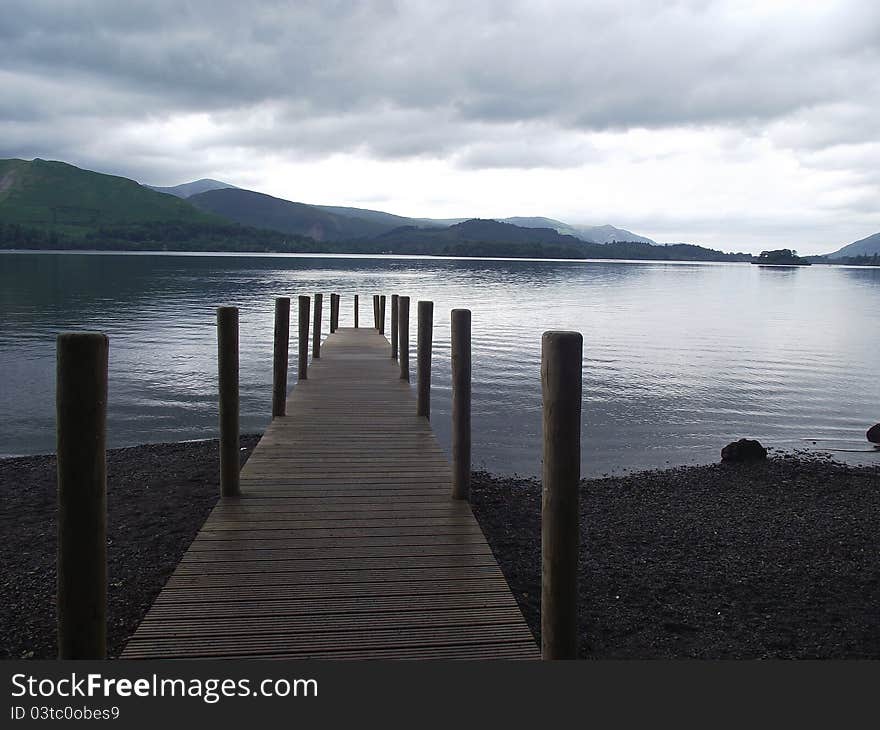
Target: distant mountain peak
[(186, 190)]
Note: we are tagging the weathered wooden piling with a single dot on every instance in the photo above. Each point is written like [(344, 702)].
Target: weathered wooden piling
[(561, 381), (332, 313), (336, 313), (81, 432), (303, 369), (375, 311), (356, 311), (382, 314), (316, 331), (461, 403), (403, 336), (227, 376), (280, 356), (424, 346), (394, 315)]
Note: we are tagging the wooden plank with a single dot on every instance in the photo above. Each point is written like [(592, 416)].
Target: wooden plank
[(344, 542)]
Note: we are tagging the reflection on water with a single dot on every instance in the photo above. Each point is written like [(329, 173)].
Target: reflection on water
[(679, 358)]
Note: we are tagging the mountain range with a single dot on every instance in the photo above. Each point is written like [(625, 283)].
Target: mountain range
[(46, 204)]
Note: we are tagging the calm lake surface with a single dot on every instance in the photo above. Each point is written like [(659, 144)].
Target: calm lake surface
[(680, 359)]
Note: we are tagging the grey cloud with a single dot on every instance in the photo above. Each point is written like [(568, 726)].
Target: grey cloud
[(426, 79)]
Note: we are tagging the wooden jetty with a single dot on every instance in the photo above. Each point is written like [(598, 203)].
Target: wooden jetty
[(345, 541)]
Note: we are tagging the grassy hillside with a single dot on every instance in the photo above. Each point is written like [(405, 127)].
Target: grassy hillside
[(69, 201)]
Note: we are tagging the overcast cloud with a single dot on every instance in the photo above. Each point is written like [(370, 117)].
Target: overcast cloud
[(740, 125)]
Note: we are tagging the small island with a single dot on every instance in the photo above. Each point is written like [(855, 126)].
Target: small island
[(780, 257)]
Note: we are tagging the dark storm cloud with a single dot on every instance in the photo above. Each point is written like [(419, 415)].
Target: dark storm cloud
[(402, 80)]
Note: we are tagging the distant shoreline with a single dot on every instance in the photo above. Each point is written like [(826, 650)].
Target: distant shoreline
[(770, 560), (393, 256)]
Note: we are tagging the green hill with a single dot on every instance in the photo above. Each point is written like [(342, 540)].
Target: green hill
[(69, 201)]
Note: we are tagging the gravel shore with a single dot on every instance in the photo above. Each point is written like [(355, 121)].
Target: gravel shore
[(773, 560), (158, 496), (778, 559)]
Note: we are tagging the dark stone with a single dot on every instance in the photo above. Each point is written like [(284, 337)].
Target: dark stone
[(744, 450), (874, 434)]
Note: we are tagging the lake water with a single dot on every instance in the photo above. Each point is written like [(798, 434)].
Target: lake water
[(680, 359)]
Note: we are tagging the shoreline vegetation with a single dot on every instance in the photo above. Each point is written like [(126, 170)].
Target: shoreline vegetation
[(234, 238), (774, 559)]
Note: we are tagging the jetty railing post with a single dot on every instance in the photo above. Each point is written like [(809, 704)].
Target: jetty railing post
[(335, 314), (561, 382), (316, 331), (227, 372), (280, 356), (424, 345), (375, 311), (332, 313), (382, 314), (81, 432), (355, 311), (461, 403), (394, 314), (403, 337), (303, 362)]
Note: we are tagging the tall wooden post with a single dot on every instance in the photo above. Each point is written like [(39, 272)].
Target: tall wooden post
[(382, 314), (332, 313), (303, 369), (461, 403), (394, 315), (280, 356), (356, 311), (424, 345), (81, 432), (316, 331), (403, 337), (227, 368), (375, 311), (561, 381), (336, 312)]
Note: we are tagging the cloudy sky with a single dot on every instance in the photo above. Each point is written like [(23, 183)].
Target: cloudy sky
[(738, 125)]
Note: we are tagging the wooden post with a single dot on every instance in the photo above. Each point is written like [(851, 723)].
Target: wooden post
[(332, 313), (403, 337), (316, 331), (336, 312), (461, 403), (375, 311), (424, 345), (280, 356), (81, 431), (382, 314), (227, 369), (303, 369), (561, 381), (394, 314), (355, 311)]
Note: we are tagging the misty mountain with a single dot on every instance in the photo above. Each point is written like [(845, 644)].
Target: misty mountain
[(863, 247), (607, 234), (591, 234), (185, 190)]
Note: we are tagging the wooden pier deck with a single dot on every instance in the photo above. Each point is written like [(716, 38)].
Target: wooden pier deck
[(345, 542)]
